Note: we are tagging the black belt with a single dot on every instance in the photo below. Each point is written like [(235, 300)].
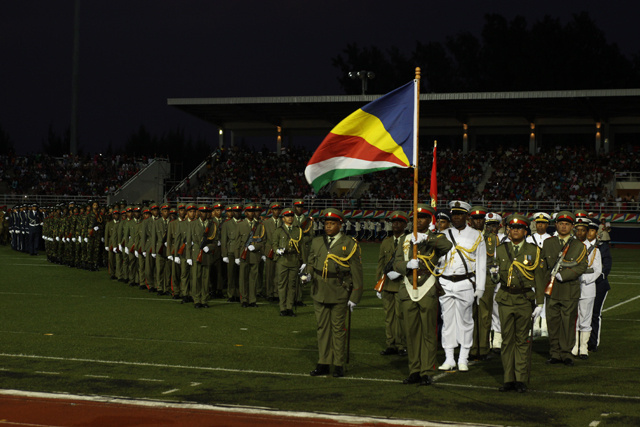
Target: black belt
[(459, 277), (329, 275), (515, 291)]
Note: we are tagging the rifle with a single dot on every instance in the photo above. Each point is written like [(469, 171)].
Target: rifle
[(549, 289), (203, 244), (387, 268), (249, 241)]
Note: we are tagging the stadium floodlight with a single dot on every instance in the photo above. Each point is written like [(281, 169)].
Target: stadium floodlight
[(364, 76)]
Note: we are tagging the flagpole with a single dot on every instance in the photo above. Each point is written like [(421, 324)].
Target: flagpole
[(415, 183)]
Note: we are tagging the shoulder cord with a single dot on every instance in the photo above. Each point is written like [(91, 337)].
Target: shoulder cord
[(215, 231), (525, 270), (593, 258), (294, 242), (343, 261), (464, 251), (426, 259)]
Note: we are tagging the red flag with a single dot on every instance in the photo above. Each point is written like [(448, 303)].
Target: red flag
[(433, 192)]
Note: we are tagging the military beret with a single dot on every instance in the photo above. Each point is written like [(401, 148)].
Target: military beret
[(459, 206)]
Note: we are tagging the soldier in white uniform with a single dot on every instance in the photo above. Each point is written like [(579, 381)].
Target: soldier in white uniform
[(463, 280), (587, 289), (541, 221)]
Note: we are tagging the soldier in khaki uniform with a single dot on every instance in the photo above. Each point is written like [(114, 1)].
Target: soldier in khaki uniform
[(305, 222), (391, 283), (174, 242), (520, 290), (184, 230), (271, 283), (201, 237), (217, 266), (131, 239), (163, 268), (335, 268), (420, 306), (286, 243), (562, 304), (249, 247), (229, 234)]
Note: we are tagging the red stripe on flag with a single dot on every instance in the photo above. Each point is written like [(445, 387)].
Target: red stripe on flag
[(351, 146)]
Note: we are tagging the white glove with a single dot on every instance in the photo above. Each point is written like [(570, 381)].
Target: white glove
[(144, 254), (86, 240), (73, 239), (263, 257), (165, 244), (120, 247), (237, 261), (432, 227), (136, 254), (177, 260), (421, 238), (393, 275), (558, 276), (379, 295), (115, 250), (219, 243), (126, 250), (351, 305), (106, 248), (11, 231), (57, 238), (189, 261), (536, 312), (205, 249), (96, 228), (280, 251), (170, 257), (302, 267), (79, 239), (251, 248), (102, 239), (478, 294), (225, 260), (413, 264), (154, 255)]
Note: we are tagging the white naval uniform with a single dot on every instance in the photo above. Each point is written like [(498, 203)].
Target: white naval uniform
[(457, 302), (588, 288)]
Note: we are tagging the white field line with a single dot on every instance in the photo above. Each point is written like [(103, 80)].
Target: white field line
[(288, 374), (621, 303)]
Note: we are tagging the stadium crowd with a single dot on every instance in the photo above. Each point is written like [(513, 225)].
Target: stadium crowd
[(95, 175)]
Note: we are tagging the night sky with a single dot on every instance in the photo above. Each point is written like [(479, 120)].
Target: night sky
[(136, 54)]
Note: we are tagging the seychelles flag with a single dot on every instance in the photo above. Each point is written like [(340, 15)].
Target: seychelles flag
[(381, 135)]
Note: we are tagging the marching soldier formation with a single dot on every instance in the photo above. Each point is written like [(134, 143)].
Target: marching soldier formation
[(488, 288)]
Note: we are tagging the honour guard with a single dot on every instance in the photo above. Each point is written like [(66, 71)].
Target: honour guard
[(335, 270)]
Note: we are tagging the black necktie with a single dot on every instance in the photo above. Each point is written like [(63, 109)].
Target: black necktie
[(395, 245), (330, 241), (515, 250)]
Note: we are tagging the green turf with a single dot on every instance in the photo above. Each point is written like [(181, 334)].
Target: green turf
[(65, 330)]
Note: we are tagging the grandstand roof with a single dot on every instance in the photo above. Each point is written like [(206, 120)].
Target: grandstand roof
[(318, 114)]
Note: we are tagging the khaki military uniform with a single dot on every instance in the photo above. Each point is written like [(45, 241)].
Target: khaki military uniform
[(393, 319), (229, 235), (288, 239), (562, 305), (337, 278), (520, 289), (482, 312), (249, 267), (420, 317)]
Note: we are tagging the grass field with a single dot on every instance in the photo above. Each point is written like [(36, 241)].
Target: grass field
[(72, 331)]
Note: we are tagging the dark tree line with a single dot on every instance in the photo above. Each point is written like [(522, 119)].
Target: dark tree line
[(508, 56)]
